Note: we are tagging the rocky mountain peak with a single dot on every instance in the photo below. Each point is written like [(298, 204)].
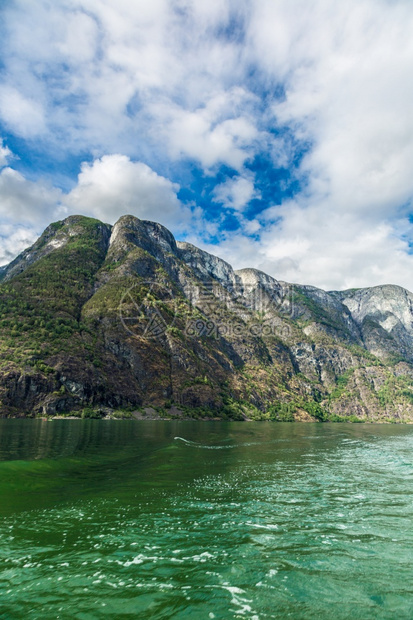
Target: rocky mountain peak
[(129, 232), (206, 265), (56, 236), (253, 277), (388, 303), (95, 315)]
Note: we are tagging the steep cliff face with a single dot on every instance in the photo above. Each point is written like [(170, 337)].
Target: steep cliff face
[(206, 266), (384, 315), (125, 317)]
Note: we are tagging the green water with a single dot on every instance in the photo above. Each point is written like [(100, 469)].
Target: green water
[(159, 520)]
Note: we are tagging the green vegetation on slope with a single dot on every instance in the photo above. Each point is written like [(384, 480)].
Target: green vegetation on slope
[(40, 309), (72, 339)]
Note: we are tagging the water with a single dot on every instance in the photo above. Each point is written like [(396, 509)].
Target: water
[(159, 520)]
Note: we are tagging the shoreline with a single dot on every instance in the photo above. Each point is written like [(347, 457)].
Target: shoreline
[(174, 413)]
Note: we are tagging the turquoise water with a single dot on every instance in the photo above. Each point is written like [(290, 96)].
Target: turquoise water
[(131, 519)]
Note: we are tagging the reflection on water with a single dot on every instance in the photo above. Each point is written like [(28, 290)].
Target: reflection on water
[(118, 519)]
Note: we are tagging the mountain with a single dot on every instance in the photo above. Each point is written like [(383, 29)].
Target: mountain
[(97, 319)]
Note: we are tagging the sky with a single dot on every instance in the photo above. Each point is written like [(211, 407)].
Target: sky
[(277, 134)]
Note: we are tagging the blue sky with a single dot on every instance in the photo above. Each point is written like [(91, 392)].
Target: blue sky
[(277, 134)]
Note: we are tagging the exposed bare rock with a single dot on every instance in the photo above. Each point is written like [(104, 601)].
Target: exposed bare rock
[(102, 317)]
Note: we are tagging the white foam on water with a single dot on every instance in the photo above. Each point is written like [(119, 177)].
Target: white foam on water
[(194, 444), (238, 600), (262, 526), (139, 559)]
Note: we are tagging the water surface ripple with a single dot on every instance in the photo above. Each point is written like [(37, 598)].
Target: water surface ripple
[(119, 519)]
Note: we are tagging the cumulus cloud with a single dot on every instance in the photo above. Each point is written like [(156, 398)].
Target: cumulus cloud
[(348, 94), (221, 131), (329, 250), (137, 77), (114, 185), (20, 114), (321, 88), (13, 240), (5, 154), (336, 249), (347, 100), (22, 200), (107, 188), (236, 192)]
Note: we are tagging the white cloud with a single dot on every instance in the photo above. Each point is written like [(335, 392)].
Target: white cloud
[(348, 92), (135, 77), (327, 249), (106, 189), (187, 80), (13, 240), (114, 185), (21, 114), (221, 131), (79, 40), (5, 154), (22, 200), (236, 192), (335, 249)]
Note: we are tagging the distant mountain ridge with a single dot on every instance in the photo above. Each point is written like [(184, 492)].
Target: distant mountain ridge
[(97, 318)]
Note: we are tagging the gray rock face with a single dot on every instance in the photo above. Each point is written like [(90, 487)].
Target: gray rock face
[(389, 305), (325, 312), (254, 277), (384, 315), (206, 265), (225, 335), (263, 294), (150, 236)]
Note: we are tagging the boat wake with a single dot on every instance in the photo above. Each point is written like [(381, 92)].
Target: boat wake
[(194, 444)]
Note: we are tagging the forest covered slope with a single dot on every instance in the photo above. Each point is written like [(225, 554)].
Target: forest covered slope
[(95, 318)]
